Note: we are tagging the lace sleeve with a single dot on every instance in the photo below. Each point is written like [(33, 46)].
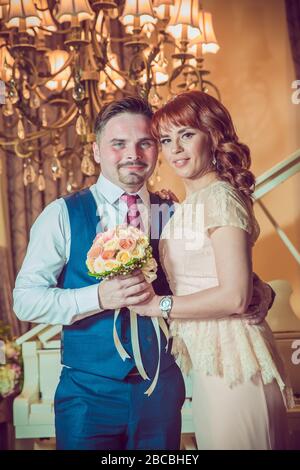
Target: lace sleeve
[(223, 206)]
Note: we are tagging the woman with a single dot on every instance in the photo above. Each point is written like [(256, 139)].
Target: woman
[(239, 387)]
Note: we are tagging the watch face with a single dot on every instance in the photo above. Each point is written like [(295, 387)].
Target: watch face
[(165, 304)]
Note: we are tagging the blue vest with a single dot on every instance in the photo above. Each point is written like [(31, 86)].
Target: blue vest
[(88, 344)]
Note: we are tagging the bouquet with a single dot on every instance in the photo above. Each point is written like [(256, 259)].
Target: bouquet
[(120, 251), (10, 363)]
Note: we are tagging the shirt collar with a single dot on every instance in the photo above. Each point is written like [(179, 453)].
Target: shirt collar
[(112, 192)]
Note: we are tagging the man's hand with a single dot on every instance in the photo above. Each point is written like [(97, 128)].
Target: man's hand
[(167, 194), (122, 291), (261, 301)]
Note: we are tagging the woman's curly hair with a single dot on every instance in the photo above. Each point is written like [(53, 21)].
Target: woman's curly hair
[(201, 111)]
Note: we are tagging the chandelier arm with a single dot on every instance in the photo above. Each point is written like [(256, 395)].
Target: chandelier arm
[(91, 56), (95, 97), (122, 73), (21, 154), (154, 52), (177, 72), (67, 119), (161, 83), (97, 49), (148, 65), (28, 138), (112, 82), (207, 82), (40, 94)]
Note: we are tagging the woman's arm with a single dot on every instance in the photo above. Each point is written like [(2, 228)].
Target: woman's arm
[(232, 251), (234, 269)]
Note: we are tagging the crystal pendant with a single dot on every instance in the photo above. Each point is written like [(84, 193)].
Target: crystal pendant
[(41, 183), (78, 92), (20, 129), (87, 166), (155, 100), (12, 93), (29, 174), (25, 90), (70, 182), (8, 109), (44, 118), (35, 101), (56, 168), (81, 126)]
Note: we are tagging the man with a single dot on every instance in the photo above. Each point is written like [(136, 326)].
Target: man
[(100, 401)]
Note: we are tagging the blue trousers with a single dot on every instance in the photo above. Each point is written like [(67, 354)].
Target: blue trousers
[(99, 413)]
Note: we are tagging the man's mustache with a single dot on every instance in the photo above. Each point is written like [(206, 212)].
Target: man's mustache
[(125, 165)]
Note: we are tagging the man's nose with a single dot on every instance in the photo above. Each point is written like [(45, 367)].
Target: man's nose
[(134, 152)]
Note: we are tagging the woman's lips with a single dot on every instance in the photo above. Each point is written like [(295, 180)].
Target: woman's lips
[(181, 162)]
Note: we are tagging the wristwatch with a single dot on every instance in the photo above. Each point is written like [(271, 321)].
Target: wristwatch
[(165, 306)]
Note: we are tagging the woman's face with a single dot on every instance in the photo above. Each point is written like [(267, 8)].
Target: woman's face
[(187, 150)]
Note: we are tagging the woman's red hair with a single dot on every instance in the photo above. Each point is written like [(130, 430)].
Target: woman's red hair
[(201, 111)]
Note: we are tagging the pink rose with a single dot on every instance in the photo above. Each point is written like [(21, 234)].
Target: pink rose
[(108, 254), (95, 251), (127, 243)]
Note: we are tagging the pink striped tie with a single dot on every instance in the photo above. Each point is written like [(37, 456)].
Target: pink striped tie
[(133, 216)]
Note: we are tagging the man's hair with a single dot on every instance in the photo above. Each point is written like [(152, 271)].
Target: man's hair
[(131, 104)]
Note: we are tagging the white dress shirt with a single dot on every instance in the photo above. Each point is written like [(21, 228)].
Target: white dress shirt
[(36, 297)]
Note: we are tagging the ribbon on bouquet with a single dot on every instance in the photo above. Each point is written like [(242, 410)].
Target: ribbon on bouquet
[(158, 323)]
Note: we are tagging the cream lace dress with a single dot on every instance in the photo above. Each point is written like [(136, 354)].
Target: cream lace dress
[(239, 382)]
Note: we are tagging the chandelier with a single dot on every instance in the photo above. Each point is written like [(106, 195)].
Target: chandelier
[(61, 60)]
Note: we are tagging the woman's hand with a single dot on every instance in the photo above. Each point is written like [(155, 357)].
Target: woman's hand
[(167, 194), (150, 307)]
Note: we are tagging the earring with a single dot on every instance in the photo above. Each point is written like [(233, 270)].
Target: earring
[(214, 161)]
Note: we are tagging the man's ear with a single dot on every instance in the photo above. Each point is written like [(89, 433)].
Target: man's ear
[(96, 152)]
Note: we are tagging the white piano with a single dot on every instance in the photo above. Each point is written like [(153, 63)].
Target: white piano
[(33, 408)]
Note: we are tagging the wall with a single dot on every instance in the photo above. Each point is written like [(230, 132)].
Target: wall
[(254, 72)]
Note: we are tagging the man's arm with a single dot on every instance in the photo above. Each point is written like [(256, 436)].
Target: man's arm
[(36, 297)]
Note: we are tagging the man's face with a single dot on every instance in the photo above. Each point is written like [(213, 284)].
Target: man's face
[(126, 151)]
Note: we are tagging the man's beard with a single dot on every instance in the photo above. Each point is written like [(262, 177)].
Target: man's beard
[(133, 177)]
